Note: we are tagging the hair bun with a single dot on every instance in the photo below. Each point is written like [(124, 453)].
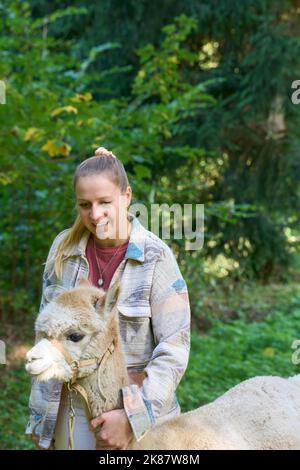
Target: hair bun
[(103, 152)]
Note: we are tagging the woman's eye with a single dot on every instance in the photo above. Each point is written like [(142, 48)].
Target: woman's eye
[(75, 337), (85, 205)]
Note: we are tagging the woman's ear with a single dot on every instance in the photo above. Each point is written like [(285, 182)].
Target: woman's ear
[(128, 195)]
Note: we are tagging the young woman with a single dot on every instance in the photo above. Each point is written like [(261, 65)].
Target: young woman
[(107, 241)]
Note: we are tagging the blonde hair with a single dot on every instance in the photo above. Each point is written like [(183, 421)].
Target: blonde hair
[(107, 164)]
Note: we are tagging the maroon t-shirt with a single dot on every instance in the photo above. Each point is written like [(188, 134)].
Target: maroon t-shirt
[(107, 259)]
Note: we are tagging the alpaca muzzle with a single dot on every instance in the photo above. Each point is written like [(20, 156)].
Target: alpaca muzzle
[(75, 365), (73, 386)]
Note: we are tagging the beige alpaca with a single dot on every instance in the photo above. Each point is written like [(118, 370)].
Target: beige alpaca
[(260, 413)]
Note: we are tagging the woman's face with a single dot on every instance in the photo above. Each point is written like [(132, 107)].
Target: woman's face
[(103, 208)]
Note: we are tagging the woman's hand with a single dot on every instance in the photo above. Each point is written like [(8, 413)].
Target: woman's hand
[(115, 432), (36, 439)]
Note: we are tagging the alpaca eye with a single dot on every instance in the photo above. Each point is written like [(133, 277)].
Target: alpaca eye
[(75, 337)]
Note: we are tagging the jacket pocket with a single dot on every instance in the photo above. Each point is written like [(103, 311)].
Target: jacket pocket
[(136, 334)]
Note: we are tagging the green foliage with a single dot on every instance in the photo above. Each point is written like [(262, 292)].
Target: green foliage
[(15, 388), (255, 50), (52, 127), (249, 137), (192, 131), (248, 301), (235, 351), (195, 104)]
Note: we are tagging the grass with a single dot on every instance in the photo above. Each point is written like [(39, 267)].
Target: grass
[(235, 351), (254, 340), (226, 300), (15, 388)]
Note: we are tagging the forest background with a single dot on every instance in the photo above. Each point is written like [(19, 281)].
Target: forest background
[(195, 98)]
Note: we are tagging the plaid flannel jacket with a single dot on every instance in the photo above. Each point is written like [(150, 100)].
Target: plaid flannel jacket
[(154, 315)]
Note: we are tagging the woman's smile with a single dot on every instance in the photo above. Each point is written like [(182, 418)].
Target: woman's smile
[(102, 227)]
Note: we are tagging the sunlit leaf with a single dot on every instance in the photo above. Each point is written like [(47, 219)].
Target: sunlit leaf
[(64, 109), (55, 148)]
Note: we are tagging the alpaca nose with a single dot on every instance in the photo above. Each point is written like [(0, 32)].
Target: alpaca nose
[(28, 357), (33, 354)]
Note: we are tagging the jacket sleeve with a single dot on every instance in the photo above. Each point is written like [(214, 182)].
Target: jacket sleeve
[(49, 276), (170, 312)]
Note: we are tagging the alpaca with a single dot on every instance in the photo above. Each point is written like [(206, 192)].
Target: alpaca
[(80, 328)]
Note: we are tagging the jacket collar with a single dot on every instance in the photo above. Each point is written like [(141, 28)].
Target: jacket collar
[(136, 245), (137, 240)]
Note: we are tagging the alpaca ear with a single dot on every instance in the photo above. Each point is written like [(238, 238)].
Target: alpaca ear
[(111, 299), (99, 304), (84, 282), (98, 300), (52, 291)]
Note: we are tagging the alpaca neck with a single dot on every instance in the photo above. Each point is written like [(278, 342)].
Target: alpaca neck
[(104, 385)]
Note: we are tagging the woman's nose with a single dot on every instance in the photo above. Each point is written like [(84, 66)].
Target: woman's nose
[(97, 213)]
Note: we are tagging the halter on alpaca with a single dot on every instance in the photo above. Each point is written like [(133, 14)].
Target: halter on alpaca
[(76, 387)]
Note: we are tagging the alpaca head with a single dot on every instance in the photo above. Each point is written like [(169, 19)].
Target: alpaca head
[(80, 321)]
